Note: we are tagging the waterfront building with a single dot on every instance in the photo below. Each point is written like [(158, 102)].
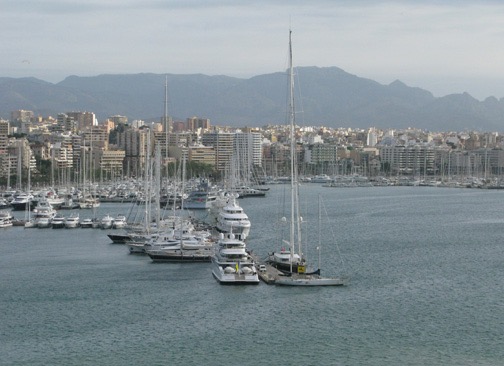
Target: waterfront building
[(201, 154), (111, 162), (409, 159)]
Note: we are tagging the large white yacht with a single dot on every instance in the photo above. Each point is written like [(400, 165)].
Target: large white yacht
[(232, 219), (231, 264)]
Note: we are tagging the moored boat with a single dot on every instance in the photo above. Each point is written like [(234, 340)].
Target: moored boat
[(106, 222), (233, 219), (58, 222), (231, 264), (5, 219), (72, 221), (119, 222)]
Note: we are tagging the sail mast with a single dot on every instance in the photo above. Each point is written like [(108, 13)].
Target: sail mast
[(292, 150)]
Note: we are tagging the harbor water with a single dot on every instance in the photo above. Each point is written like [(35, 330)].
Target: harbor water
[(427, 288)]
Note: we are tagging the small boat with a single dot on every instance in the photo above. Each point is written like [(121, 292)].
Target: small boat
[(58, 222), (89, 202), (5, 219), (43, 214), (30, 224), (4, 204), (106, 222), (86, 224), (72, 221), (43, 222), (119, 222)]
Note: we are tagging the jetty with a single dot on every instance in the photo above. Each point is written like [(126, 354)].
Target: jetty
[(267, 273)]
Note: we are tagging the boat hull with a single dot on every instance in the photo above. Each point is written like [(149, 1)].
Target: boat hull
[(180, 257), (119, 238), (309, 281), (235, 279)]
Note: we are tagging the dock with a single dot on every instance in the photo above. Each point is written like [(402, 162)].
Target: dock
[(267, 273)]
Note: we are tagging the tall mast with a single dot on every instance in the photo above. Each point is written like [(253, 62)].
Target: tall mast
[(292, 150), (165, 120)]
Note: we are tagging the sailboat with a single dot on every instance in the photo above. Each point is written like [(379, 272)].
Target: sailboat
[(296, 274)]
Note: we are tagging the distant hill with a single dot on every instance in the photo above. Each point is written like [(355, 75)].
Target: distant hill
[(329, 96)]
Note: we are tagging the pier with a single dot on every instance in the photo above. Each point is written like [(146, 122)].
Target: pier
[(267, 273)]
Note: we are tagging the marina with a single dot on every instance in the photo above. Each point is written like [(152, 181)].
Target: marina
[(426, 273)]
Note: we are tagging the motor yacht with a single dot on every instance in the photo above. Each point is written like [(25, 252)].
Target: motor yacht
[(58, 222), (72, 221), (233, 219), (106, 222), (231, 264)]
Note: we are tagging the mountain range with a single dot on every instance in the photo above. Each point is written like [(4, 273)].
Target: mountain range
[(326, 96)]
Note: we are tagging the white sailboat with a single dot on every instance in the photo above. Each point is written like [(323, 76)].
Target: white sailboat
[(296, 274), (314, 278)]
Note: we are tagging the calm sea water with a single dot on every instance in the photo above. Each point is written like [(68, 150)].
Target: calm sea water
[(427, 288)]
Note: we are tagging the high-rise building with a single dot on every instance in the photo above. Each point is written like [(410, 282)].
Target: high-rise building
[(223, 143), (134, 144), (84, 119), (21, 116), (243, 149), (195, 123), (4, 133), (119, 120)]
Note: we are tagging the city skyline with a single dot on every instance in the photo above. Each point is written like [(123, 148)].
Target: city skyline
[(443, 46)]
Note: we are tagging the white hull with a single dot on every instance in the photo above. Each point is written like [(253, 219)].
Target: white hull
[(89, 203), (30, 224), (309, 281), (86, 223), (136, 248), (240, 232), (106, 222), (118, 225), (237, 277), (43, 223)]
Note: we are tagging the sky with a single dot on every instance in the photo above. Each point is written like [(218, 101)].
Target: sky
[(442, 46)]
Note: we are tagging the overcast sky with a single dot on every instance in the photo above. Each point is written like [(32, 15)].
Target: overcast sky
[(442, 46)]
